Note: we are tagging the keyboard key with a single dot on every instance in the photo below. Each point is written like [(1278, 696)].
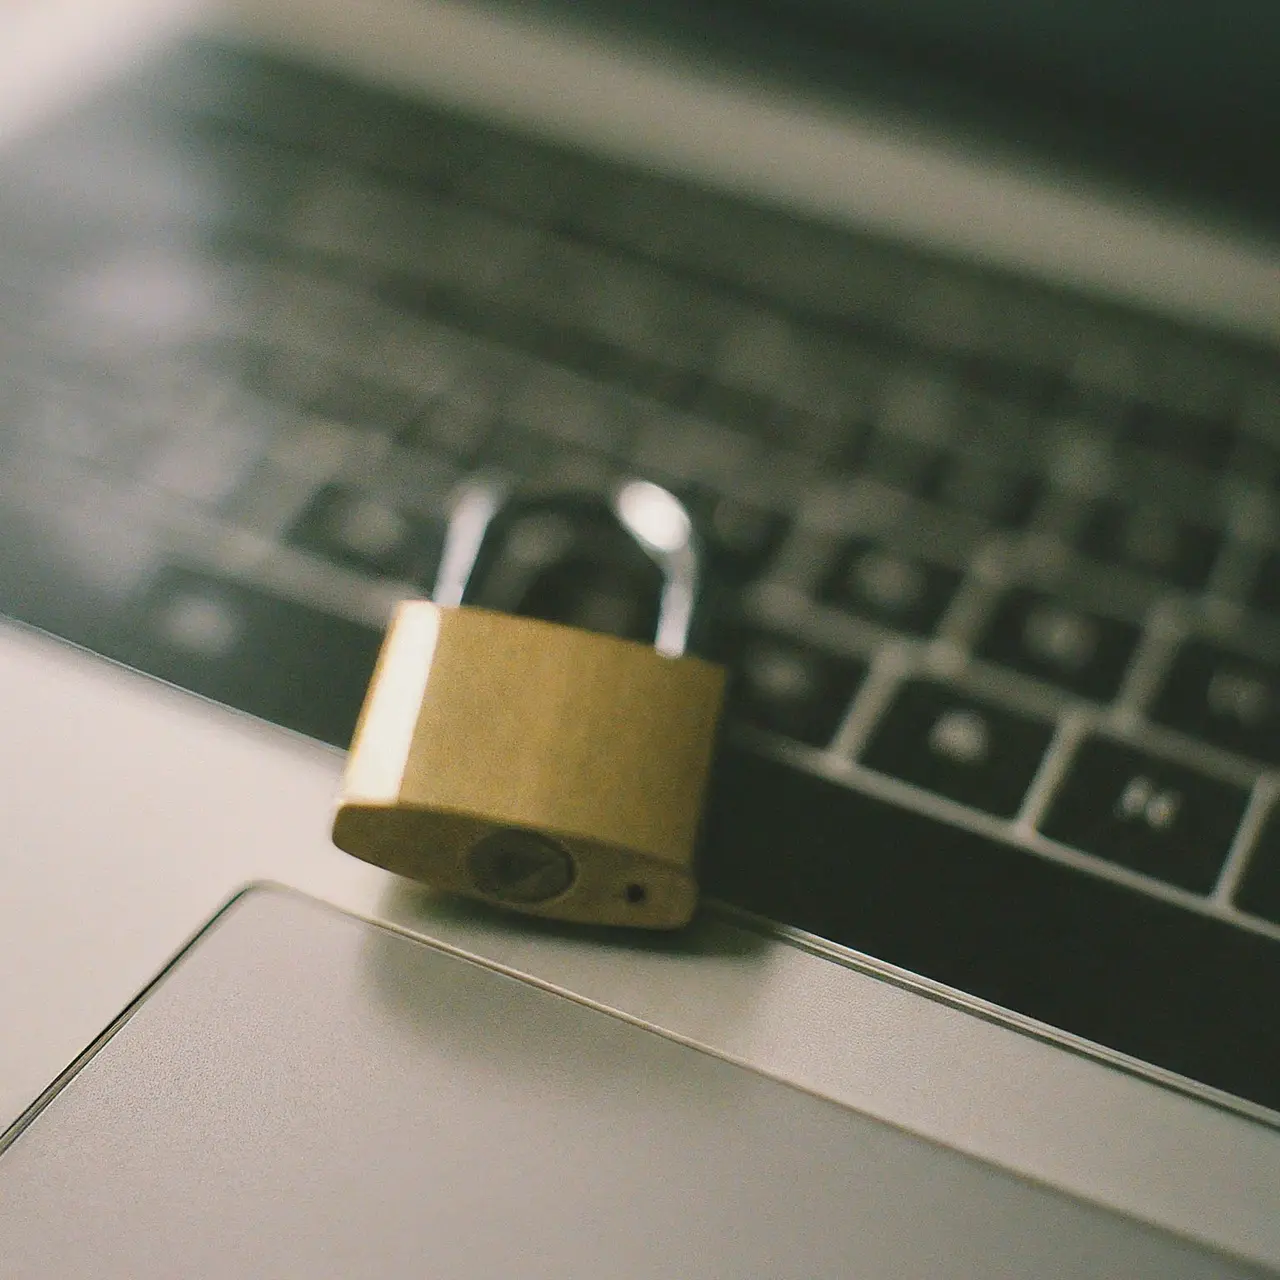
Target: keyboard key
[(900, 591), (1003, 380), (1103, 961), (1189, 437), (740, 537), (1003, 497), (568, 410), (456, 427), (206, 466), (1266, 585), (360, 530), (959, 746), (789, 687), (74, 423), (282, 661), (1223, 698), (1150, 541), (358, 401), (1149, 814), (1260, 889), (274, 374), (742, 410), (899, 461), (520, 452), (1076, 650)]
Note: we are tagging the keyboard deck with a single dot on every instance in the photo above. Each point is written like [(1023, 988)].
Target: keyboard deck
[(996, 570)]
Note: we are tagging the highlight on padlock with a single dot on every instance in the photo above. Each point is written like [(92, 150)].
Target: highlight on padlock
[(548, 769)]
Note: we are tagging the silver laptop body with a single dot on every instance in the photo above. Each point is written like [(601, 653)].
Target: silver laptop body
[(1139, 662)]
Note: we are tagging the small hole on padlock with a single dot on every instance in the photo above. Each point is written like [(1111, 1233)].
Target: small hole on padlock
[(635, 894)]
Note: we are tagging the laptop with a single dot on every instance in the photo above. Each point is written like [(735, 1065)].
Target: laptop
[(973, 392)]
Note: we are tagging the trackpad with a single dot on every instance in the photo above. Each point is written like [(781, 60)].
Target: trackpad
[(305, 1094)]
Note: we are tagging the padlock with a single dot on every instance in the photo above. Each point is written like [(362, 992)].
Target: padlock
[(542, 766)]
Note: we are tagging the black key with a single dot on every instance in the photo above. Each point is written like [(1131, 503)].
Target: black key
[(1265, 594), (556, 344), (272, 373), (1083, 652), (1260, 890), (361, 402), (912, 465), (1005, 498), (789, 687), (740, 537), (523, 453), (1187, 992), (74, 422), (456, 428), (1011, 381), (850, 449), (354, 528), (1150, 541), (1223, 698), (959, 746), (276, 659), (1190, 437), (743, 410), (1149, 814), (900, 591)]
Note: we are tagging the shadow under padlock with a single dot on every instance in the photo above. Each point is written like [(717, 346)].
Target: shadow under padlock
[(537, 735)]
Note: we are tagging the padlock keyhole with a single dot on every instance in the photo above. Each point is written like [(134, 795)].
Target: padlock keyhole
[(635, 894), (521, 867)]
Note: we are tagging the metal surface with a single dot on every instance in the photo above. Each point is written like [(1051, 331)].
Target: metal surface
[(178, 803), (354, 1094), (479, 724)]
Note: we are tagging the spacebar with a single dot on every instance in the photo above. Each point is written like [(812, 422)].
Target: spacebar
[(1187, 992)]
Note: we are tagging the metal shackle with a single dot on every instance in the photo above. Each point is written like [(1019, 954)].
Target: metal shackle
[(539, 521)]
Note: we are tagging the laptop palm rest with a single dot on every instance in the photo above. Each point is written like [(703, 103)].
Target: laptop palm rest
[(305, 1094)]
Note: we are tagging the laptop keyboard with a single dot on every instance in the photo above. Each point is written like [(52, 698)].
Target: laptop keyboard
[(994, 569)]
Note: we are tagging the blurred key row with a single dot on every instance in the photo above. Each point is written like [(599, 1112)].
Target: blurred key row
[(1119, 802), (913, 446), (1208, 692), (485, 410)]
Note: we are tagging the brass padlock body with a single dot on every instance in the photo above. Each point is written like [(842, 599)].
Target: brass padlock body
[(479, 723)]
